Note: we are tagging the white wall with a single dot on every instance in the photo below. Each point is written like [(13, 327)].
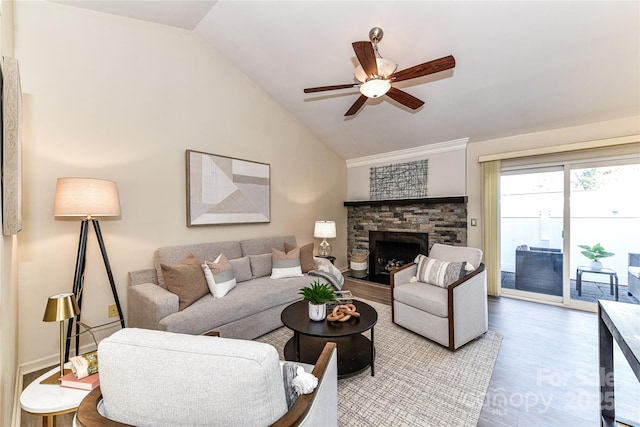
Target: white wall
[(121, 99), (8, 272), (446, 170)]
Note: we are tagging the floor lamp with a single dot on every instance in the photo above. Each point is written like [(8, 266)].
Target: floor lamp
[(87, 199)]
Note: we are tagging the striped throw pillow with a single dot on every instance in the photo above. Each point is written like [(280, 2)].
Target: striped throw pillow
[(219, 275), (438, 272), (285, 264)]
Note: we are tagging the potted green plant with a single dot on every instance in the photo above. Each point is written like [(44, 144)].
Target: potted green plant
[(318, 295), (595, 253)]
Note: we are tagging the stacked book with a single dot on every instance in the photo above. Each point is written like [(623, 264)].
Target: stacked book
[(84, 372), (87, 383)]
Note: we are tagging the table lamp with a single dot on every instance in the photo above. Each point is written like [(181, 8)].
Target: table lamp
[(59, 308), (87, 199), (325, 230)]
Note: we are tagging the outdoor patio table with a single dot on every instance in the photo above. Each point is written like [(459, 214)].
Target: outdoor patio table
[(613, 278)]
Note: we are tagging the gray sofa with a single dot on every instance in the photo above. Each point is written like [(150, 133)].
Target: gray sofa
[(248, 311)]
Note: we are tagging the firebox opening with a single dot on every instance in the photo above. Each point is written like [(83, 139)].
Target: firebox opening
[(389, 250)]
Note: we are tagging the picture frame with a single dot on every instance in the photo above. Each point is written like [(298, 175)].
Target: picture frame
[(226, 190), (11, 121)]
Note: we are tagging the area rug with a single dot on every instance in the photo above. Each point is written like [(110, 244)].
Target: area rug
[(416, 382)]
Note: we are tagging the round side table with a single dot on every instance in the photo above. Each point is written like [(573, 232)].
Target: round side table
[(49, 400)]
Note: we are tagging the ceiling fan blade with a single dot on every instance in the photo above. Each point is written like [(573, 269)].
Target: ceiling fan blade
[(405, 99), (356, 106), (334, 87), (425, 69), (366, 56)]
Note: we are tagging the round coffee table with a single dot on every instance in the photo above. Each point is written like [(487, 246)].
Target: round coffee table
[(356, 352)]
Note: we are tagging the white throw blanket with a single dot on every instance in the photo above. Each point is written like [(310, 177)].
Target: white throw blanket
[(326, 270)]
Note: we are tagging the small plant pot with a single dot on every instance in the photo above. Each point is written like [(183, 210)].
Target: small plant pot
[(595, 265), (317, 312)]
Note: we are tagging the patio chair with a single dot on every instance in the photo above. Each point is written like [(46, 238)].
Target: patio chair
[(539, 270)]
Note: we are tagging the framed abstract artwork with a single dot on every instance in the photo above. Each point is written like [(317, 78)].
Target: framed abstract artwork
[(11, 147), (225, 190), (399, 181)]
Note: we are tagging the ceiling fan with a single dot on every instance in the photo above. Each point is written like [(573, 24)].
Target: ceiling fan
[(375, 75)]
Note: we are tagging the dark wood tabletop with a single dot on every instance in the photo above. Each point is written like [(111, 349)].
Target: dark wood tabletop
[(356, 352), (296, 318)]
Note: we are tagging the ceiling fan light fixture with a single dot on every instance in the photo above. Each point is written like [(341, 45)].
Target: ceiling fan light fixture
[(375, 87), (385, 68)]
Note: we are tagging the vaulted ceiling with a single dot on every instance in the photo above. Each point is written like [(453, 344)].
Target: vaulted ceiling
[(521, 66)]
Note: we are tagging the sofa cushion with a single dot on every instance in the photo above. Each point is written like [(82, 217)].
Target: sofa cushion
[(241, 268), (247, 299), (634, 271), (306, 256), (425, 297), (186, 280), (438, 272), (204, 251), (261, 265), (263, 245), (285, 264), (219, 275)]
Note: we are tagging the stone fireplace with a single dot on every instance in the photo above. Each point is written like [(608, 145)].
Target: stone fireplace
[(437, 219)]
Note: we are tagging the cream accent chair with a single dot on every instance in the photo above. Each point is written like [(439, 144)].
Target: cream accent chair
[(156, 378), (450, 316)]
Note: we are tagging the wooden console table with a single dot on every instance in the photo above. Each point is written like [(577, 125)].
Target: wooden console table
[(619, 321)]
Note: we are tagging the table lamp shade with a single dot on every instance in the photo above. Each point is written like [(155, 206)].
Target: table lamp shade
[(61, 307), (325, 230), (86, 197)]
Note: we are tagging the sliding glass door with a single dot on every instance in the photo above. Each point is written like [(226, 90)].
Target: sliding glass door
[(604, 212), (555, 220), (531, 230)]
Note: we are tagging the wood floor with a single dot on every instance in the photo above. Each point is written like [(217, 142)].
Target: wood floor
[(546, 373)]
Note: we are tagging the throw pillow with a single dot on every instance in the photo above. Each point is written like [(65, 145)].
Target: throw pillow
[(185, 280), (241, 269), (306, 256), (289, 371), (438, 272), (260, 265), (219, 275), (285, 264)]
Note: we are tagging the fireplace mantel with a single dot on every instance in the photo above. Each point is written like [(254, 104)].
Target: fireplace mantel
[(423, 201)]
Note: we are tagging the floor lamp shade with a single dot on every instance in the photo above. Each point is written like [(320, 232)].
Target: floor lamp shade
[(86, 197), (325, 230)]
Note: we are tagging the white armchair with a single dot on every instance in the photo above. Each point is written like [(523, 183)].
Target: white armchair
[(151, 378), (451, 316)]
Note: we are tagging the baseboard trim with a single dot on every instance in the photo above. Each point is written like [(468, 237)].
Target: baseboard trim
[(49, 361), (16, 417)]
